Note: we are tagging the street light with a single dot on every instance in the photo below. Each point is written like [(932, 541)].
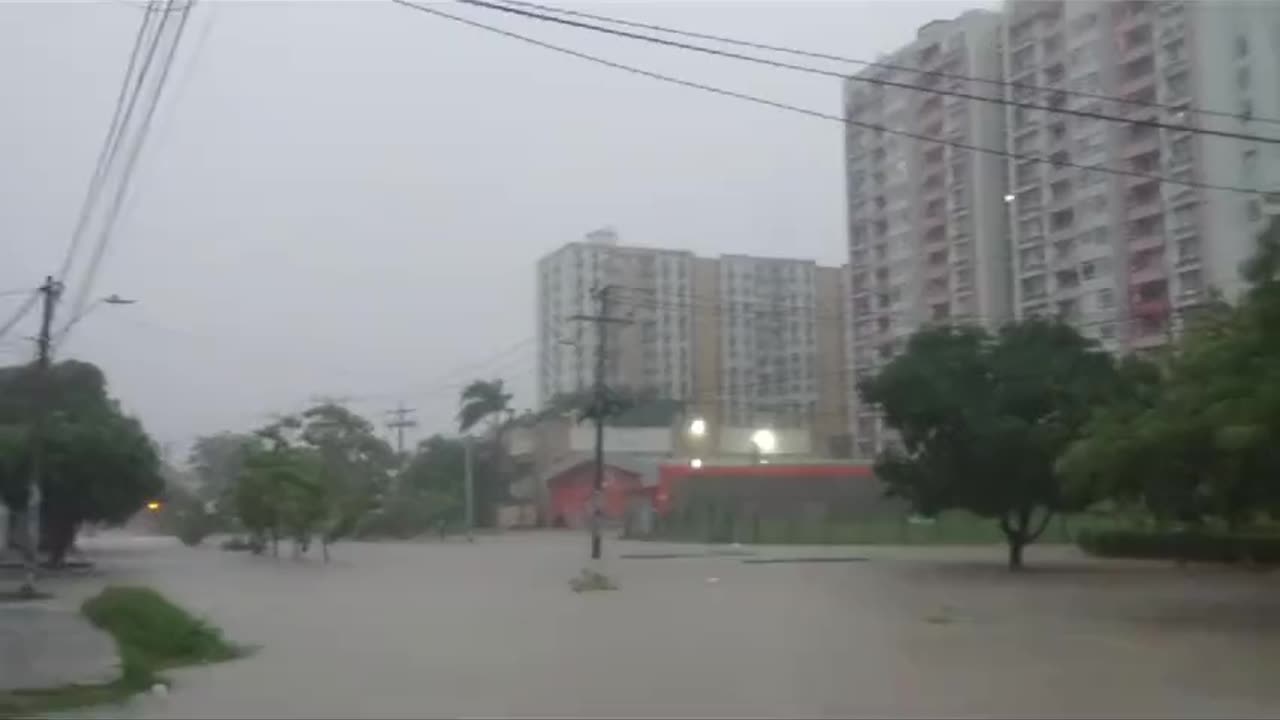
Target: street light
[(764, 440), (1009, 198), (695, 463), (698, 427), (111, 299)]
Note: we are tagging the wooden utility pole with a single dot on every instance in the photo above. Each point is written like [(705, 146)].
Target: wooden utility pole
[(399, 421), (50, 292), (600, 403)]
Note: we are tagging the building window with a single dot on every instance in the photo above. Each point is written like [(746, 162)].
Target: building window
[(1106, 298)]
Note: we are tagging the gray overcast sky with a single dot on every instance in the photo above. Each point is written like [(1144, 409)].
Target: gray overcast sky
[(348, 198)]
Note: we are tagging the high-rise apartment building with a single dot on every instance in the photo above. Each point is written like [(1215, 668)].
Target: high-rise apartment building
[(927, 223), (744, 341), (1122, 257), (652, 288)]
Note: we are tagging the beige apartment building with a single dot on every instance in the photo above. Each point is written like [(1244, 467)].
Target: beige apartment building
[(743, 341)]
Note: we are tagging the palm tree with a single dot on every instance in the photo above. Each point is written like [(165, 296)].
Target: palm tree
[(483, 399), (480, 400)]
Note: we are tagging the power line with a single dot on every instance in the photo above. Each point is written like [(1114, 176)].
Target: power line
[(1191, 110), (820, 318), (107, 150), (21, 312), (817, 113), (122, 187), (451, 379), (180, 84), (1092, 115)]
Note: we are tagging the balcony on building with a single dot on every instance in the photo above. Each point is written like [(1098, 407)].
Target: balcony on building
[(1061, 195), (1150, 299), (1134, 41), (1143, 201), (1064, 252), (1146, 266), (1130, 14), (1145, 163), (1138, 86), (937, 288), (1145, 234)]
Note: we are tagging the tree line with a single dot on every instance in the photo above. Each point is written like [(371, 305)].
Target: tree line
[(1035, 420), (325, 474)]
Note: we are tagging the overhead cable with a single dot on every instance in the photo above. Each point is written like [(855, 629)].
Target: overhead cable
[(1191, 110), (995, 100), (817, 113)]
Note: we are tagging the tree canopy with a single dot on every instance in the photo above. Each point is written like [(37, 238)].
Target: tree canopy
[(480, 400), (981, 419), (99, 464), (1205, 444)]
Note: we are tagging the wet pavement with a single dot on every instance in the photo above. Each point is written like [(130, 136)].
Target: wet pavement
[(492, 629)]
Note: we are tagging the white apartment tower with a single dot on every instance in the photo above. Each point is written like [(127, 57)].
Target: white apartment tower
[(1124, 258), (651, 288), (927, 221)]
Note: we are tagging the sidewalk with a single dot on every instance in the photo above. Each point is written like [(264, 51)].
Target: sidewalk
[(48, 643), (43, 646)]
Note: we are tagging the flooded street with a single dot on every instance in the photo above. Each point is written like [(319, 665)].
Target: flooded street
[(412, 630)]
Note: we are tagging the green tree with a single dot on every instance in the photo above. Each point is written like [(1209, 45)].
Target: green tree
[(217, 460), (981, 420), (100, 465), (483, 400), (319, 473), (1207, 445)]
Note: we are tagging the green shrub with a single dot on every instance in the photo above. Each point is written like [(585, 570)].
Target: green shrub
[(152, 632), (193, 527), (1182, 545)]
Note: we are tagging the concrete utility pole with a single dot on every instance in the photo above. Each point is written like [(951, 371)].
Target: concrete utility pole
[(469, 493), (600, 402), (398, 422), (50, 292)]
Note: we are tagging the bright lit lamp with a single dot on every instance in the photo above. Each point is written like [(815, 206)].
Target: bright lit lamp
[(1008, 198), (153, 506), (698, 427), (764, 440), (695, 463)]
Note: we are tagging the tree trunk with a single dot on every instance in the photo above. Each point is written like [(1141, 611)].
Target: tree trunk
[(57, 534), (1018, 533), (1015, 553), (62, 535)]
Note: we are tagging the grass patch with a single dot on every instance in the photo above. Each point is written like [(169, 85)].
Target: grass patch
[(590, 580), (953, 527), (151, 635)]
